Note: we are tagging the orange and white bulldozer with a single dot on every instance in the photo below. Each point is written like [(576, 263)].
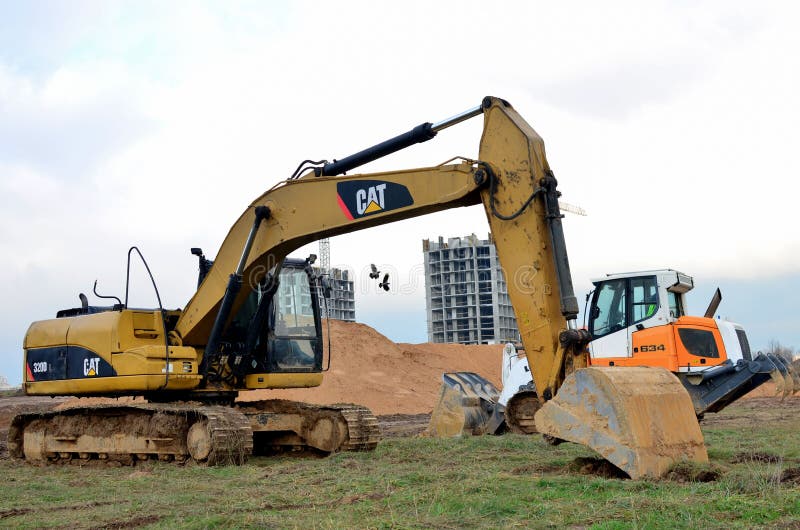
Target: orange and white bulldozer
[(635, 319)]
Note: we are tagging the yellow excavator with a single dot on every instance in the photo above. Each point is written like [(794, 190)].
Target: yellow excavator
[(254, 323)]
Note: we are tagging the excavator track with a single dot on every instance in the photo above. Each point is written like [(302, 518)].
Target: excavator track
[(182, 432), (210, 435), (362, 426), (281, 425)]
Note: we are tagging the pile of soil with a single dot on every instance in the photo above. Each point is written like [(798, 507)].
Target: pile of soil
[(369, 369)]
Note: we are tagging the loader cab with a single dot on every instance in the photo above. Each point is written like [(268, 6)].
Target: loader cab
[(629, 302)]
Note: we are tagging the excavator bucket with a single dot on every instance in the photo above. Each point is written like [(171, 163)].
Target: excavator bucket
[(467, 404), (639, 419)]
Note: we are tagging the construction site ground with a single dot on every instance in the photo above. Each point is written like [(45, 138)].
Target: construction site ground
[(753, 479)]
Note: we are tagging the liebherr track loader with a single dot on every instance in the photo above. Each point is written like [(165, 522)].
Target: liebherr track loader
[(249, 312), (635, 319)]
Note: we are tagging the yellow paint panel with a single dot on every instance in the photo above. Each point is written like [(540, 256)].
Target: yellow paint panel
[(112, 385), (294, 380)]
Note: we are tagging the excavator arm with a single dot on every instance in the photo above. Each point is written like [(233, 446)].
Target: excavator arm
[(641, 419), (513, 181)]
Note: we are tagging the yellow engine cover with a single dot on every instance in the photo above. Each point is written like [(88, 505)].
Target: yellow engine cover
[(110, 352)]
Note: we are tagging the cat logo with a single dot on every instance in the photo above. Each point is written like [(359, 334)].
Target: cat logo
[(360, 198), (91, 366), (370, 200)]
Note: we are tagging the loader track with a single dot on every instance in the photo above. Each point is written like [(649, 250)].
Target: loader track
[(114, 434)]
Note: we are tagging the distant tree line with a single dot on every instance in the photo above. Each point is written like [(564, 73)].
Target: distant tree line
[(787, 352)]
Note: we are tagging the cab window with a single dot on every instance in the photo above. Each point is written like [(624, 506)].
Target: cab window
[(699, 342), (293, 304), (675, 306), (293, 346), (608, 311), (644, 298)]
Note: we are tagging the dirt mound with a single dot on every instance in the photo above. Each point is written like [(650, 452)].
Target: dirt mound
[(369, 369)]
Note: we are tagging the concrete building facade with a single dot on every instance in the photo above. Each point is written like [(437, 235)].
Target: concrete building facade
[(341, 305), (295, 296), (465, 292)]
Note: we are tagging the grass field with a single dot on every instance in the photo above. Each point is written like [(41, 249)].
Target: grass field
[(486, 482)]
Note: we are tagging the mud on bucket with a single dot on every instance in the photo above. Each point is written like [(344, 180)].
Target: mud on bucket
[(639, 419), (467, 404)]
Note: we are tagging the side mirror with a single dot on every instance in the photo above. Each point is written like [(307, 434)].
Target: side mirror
[(594, 312), (326, 287)]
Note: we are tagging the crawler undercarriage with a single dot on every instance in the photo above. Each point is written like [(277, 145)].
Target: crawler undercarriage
[(183, 432)]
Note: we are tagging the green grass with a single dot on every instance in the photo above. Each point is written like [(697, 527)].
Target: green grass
[(484, 482)]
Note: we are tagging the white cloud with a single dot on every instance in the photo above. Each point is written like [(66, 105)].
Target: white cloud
[(672, 125)]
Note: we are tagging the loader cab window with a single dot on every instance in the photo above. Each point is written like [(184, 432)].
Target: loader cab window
[(644, 298), (620, 303), (608, 308), (675, 305)]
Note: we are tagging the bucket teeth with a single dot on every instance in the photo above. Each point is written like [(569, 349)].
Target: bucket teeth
[(791, 375), (794, 369), (640, 419), (784, 385)]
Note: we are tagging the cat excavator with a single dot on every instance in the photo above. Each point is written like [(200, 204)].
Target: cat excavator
[(254, 323)]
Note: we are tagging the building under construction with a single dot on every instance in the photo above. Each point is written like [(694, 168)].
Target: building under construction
[(341, 305), (465, 292)]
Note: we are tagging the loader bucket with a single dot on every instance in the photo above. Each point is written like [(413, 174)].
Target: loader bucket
[(783, 380), (792, 378), (639, 419), (795, 367), (714, 389), (467, 404)]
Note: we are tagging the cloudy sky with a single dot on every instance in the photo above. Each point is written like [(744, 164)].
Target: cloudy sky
[(674, 125)]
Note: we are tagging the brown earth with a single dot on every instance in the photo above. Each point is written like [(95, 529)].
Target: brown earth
[(369, 369)]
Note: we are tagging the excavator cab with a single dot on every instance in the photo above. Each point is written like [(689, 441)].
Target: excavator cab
[(292, 340), (276, 331), (278, 327)]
